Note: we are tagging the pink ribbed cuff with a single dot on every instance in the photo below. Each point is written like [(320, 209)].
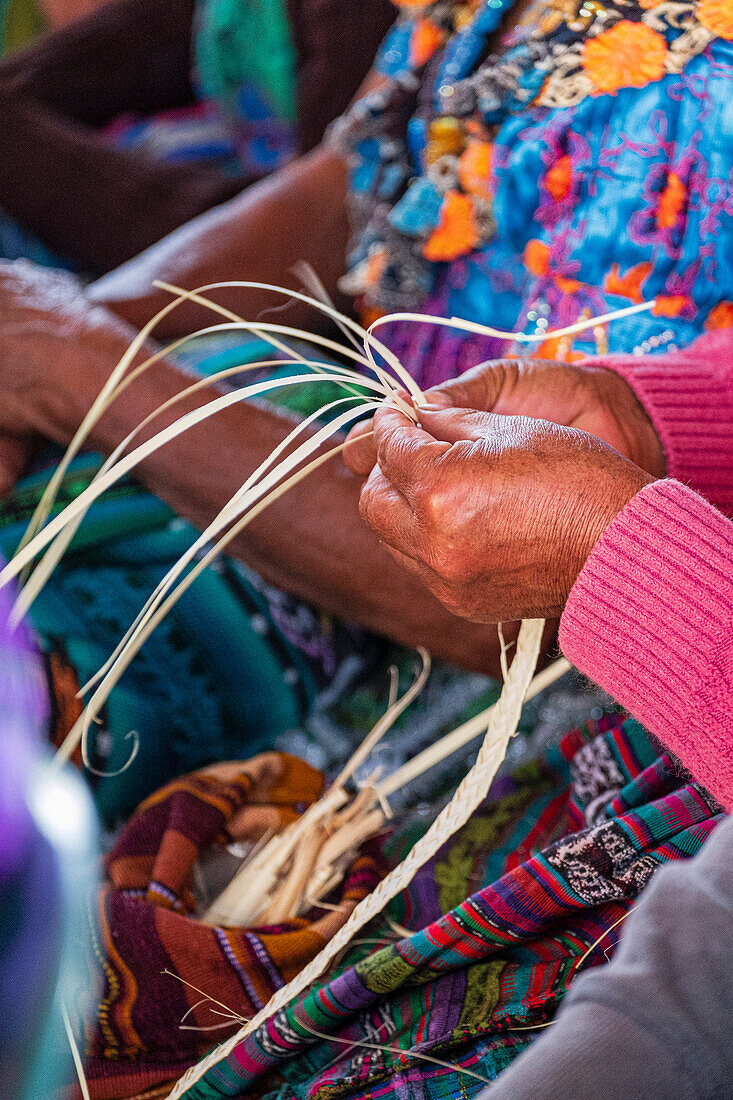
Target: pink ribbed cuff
[(650, 619), (689, 397)]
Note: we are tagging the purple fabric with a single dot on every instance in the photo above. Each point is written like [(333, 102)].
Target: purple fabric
[(29, 922), (23, 711), (433, 354)]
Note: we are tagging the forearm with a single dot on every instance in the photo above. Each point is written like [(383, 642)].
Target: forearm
[(297, 214), (115, 202), (311, 542), (650, 618)]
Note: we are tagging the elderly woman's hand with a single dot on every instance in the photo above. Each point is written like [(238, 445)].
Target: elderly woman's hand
[(495, 514), (585, 397)]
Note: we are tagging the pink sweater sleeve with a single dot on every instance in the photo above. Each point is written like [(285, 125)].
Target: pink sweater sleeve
[(650, 619), (689, 396)]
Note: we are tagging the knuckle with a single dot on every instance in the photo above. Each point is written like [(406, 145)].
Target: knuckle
[(438, 520), (404, 451), (435, 506)]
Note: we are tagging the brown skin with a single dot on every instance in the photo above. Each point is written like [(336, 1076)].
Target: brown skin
[(587, 398), (299, 213), (54, 341), (496, 505), (135, 57), (296, 214), (107, 203), (496, 515), (58, 351)]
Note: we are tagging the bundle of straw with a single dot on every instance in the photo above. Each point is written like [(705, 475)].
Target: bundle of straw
[(295, 869), (278, 880), (290, 461)]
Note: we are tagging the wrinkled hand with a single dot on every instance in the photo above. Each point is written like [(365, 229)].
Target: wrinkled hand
[(48, 330), (495, 514), (591, 399)]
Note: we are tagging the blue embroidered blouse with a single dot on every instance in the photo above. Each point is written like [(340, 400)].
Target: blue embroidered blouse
[(585, 166)]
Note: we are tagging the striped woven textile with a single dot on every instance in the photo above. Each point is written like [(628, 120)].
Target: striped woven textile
[(150, 1020), (539, 876)]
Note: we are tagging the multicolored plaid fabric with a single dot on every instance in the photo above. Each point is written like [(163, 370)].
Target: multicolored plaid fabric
[(564, 851), (151, 1021)]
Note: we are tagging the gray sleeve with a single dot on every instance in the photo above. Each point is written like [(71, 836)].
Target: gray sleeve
[(657, 1021)]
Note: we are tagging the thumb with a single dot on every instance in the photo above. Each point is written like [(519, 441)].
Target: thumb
[(477, 388), (454, 425)]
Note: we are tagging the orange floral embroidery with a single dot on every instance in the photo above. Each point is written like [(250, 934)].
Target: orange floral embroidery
[(474, 169), (425, 39), (628, 285), (369, 314), (559, 349), (559, 178), (720, 316), (456, 232), (537, 257), (548, 349), (670, 202), (567, 286), (716, 16), (627, 55), (375, 266), (670, 305)]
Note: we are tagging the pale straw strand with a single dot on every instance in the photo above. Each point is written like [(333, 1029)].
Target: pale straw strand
[(470, 794)]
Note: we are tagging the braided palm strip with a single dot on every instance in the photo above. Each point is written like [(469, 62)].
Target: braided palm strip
[(468, 796)]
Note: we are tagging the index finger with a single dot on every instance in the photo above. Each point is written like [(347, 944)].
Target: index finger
[(405, 452)]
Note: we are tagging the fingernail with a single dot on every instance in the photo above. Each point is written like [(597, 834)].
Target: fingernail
[(430, 407)]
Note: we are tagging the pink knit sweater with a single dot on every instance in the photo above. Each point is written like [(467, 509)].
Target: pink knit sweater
[(650, 618)]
